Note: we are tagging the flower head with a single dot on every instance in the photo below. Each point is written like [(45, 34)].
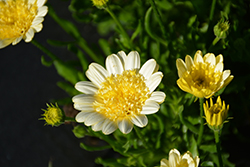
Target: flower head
[(202, 76), (216, 113), (178, 160), (221, 29), (53, 115), (100, 3), (20, 19), (120, 95)]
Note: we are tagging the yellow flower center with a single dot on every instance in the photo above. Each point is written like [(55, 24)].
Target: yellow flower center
[(99, 3), (122, 95), (16, 17), (203, 79), (53, 116), (182, 163), (215, 109)]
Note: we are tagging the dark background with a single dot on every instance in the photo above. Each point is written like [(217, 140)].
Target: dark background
[(25, 88)]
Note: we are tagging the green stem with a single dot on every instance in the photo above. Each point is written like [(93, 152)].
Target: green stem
[(69, 119), (124, 33), (141, 137), (45, 50), (217, 141), (201, 123), (212, 10), (159, 18)]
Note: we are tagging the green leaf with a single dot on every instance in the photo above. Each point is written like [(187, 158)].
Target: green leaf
[(207, 164), (105, 46), (208, 148), (91, 148), (137, 31), (69, 88), (46, 63), (58, 43), (66, 71)]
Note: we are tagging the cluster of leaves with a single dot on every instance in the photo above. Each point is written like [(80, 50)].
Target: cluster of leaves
[(163, 30)]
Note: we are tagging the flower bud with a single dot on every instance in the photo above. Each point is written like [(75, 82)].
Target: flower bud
[(221, 29), (100, 3), (53, 115)]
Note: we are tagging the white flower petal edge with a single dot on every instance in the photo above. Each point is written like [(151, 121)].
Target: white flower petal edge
[(97, 74), (148, 68), (108, 126), (150, 107), (140, 120), (86, 87), (181, 67), (158, 96), (82, 116), (132, 61), (154, 81), (125, 126), (114, 65), (174, 157)]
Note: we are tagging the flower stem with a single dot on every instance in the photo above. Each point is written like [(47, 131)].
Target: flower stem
[(217, 141), (159, 18), (123, 32), (201, 123), (212, 10), (45, 50)]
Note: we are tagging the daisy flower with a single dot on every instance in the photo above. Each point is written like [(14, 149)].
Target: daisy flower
[(20, 19), (178, 160), (120, 95), (202, 76)]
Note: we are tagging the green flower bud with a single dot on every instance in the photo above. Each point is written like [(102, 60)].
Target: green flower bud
[(53, 115)]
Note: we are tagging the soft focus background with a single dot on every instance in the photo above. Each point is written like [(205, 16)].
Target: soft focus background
[(26, 86)]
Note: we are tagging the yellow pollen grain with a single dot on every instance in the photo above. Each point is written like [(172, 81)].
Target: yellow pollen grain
[(16, 17), (122, 96)]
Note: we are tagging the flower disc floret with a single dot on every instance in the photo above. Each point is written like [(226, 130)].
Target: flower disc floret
[(120, 95), (216, 114), (202, 76), (53, 115), (20, 19), (178, 160)]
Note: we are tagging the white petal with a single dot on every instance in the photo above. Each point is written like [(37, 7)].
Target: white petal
[(114, 64), (83, 99), (5, 42), (83, 107), (38, 27), (198, 57), (86, 87), (122, 55), (40, 3), (108, 127), (17, 40), (164, 163), (37, 20), (98, 126), (181, 67), (154, 81), (219, 59), (189, 62), (96, 73), (93, 118), (140, 120), (29, 35), (148, 68), (219, 67), (132, 61), (174, 157), (150, 107), (210, 58), (42, 11), (226, 74), (82, 116), (157, 96), (125, 126)]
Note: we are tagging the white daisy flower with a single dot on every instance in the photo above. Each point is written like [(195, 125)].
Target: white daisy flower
[(20, 19), (120, 95)]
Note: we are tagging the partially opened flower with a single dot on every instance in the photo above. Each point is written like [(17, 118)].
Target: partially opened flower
[(216, 114), (178, 160), (120, 95), (20, 19), (53, 115), (202, 76)]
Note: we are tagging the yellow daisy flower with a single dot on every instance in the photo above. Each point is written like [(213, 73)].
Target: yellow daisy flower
[(178, 160), (120, 95), (216, 113), (20, 19), (202, 76)]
